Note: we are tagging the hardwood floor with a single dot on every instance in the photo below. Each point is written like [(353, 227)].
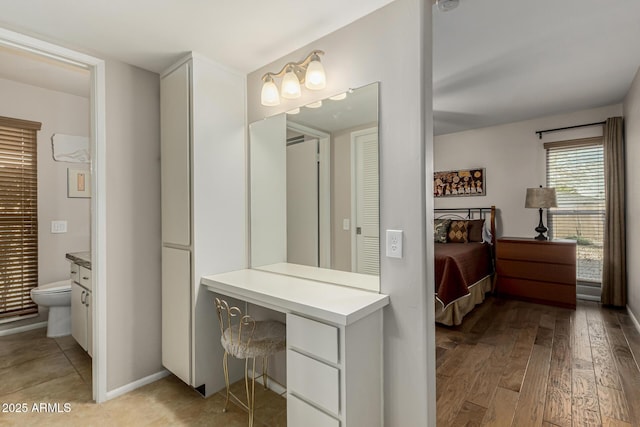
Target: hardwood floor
[(513, 363)]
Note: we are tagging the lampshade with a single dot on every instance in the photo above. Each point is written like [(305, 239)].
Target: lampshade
[(270, 96), (315, 78), (290, 85), (541, 198)]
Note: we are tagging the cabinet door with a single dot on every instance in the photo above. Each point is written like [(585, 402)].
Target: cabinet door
[(175, 157), (78, 315), (89, 304), (176, 312)]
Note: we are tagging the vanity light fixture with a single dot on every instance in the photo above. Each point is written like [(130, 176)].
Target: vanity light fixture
[(294, 111), (338, 97), (308, 71), (316, 104)]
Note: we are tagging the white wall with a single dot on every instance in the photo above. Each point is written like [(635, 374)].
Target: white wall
[(632, 139), (133, 224), (514, 158), (392, 46)]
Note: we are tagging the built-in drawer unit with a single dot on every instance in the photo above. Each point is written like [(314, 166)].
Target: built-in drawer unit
[(314, 380), (300, 413), (313, 337), (85, 278), (75, 272)]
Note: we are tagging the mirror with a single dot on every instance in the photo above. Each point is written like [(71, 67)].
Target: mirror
[(314, 185)]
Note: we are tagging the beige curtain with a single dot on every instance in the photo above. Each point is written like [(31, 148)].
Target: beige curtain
[(614, 273)]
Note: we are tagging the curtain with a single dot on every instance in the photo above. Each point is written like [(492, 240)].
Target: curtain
[(614, 270)]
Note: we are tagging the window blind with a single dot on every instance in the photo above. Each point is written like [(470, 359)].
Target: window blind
[(576, 170), (18, 216)]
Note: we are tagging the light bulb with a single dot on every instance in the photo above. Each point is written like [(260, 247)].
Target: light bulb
[(270, 96), (338, 97), (315, 78), (290, 85)]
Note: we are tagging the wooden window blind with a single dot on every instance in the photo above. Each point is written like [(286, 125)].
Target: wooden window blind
[(18, 216), (576, 170)]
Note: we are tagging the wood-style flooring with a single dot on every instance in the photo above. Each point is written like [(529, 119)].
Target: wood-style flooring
[(513, 363)]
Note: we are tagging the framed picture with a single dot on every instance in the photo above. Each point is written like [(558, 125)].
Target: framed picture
[(78, 183), (468, 182)]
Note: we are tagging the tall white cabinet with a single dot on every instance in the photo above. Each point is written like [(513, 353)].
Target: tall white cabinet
[(203, 209)]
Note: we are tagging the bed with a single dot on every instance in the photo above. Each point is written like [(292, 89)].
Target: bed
[(464, 241)]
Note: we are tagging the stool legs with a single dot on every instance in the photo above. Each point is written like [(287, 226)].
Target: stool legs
[(251, 390), (226, 379)]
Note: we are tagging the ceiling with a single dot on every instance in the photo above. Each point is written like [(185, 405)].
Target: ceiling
[(494, 61)]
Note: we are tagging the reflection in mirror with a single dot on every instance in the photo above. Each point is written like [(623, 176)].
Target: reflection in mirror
[(314, 185)]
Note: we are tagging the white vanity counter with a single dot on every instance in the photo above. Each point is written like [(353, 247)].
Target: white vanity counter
[(332, 303), (334, 340)]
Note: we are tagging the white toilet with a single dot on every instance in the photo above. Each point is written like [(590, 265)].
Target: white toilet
[(56, 296)]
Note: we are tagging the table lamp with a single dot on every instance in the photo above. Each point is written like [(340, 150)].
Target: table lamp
[(538, 198)]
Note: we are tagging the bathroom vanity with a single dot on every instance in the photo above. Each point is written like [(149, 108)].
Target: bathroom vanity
[(334, 341), (81, 292)]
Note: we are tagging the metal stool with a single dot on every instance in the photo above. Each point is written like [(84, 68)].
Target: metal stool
[(244, 338)]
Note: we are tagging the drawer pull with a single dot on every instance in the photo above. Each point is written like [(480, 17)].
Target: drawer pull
[(85, 278), (82, 297)]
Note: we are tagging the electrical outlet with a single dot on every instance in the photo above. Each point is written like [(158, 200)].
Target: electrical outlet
[(394, 243), (58, 226)]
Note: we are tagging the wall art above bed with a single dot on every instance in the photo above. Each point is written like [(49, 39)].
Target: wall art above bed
[(467, 182)]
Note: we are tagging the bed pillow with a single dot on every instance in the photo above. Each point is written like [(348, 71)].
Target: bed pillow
[(458, 232), (474, 230), (440, 230)]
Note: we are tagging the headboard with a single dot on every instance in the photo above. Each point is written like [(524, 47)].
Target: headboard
[(471, 213)]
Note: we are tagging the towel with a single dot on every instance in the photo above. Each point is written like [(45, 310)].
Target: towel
[(70, 148)]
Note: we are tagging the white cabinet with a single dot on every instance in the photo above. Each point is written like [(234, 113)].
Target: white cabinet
[(334, 373), (81, 307), (203, 209)]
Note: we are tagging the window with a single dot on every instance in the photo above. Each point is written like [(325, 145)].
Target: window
[(18, 216), (576, 170)]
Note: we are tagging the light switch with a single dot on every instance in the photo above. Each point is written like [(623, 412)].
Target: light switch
[(58, 226), (345, 224)]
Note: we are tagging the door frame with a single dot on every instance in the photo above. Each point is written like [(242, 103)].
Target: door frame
[(97, 146)]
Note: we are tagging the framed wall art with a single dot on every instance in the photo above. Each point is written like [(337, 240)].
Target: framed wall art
[(466, 182), (78, 183)]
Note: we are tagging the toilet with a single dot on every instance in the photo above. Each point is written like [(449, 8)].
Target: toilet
[(56, 296)]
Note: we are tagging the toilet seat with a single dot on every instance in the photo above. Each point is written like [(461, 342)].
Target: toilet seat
[(54, 287)]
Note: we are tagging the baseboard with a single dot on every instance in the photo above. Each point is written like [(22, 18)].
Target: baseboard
[(24, 328), (272, 385), (136, 384), (634, 319)]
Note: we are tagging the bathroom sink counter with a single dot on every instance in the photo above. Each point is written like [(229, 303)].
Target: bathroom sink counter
[(83, 259)]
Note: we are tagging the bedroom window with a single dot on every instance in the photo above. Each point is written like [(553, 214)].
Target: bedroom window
[(18, 216), (576, 169)]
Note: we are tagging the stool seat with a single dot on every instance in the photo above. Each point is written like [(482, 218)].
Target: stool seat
[(267, 338)]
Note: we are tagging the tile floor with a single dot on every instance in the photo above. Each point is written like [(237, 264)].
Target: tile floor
[(35, 369)]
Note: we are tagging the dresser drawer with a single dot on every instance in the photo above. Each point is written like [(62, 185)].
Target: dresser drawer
[(315, 381), (313, 337), (85, 277), (554, 273), (300, 413), (75, 273), (537, 251), (542, 292)]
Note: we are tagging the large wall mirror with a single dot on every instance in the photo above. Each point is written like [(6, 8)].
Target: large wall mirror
[(314, 185)]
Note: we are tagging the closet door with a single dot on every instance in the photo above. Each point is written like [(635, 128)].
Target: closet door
[(175, 157)]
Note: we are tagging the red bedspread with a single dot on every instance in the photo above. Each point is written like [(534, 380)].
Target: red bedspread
[(458, 266)]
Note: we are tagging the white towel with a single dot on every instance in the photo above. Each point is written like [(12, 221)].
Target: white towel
[(70, 148)]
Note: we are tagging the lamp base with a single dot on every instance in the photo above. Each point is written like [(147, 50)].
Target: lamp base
[(541, 229)]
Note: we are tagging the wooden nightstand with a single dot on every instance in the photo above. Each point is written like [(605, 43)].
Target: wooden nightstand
[(537, 271)]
